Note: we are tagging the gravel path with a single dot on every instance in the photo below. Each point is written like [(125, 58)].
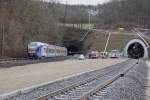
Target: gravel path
[(25, 76), (148, 82)]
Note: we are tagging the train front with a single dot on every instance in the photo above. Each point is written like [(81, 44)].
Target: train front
[(32, 48)]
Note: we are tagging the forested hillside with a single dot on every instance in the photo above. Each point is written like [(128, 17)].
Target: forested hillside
[(22, 21), (124, 13), (77, 14)]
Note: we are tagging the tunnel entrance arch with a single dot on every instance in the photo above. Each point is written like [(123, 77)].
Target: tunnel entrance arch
[(136, 49), (73, 49)]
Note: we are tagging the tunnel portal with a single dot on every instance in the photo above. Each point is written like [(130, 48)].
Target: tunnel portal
[(72, 49), (136, 49)]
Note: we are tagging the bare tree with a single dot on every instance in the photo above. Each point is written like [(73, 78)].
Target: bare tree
[(23, 21)]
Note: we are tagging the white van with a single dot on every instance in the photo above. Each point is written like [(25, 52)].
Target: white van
[(114, 54)]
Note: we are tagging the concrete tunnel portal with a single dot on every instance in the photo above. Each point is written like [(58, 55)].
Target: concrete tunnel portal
[(136, 49), (72, 49)]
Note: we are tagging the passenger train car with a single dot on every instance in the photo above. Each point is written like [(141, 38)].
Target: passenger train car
[(42, 50)]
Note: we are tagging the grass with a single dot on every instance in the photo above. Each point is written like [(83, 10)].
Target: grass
[(97, 41)]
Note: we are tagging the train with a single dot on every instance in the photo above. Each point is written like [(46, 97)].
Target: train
[(41, 50)]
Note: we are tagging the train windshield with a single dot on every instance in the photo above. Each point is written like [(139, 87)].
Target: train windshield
[(33, 45)]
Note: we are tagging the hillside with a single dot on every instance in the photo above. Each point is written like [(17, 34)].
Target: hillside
[(97, 41), (24, 21)]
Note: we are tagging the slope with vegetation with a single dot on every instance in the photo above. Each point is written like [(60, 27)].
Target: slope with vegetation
[(97, 41), (124, 13), (23, 21)]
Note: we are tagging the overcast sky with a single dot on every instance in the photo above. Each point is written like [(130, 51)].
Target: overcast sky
[(86, 2)]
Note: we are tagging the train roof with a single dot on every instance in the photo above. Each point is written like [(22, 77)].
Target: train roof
[(49, 45), (38, 43)]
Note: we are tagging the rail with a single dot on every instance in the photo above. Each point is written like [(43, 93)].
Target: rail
[(86, 81), (104, 84)]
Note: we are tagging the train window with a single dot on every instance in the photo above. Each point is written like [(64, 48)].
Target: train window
[(33, 45), (43, 50), (53, 50), (47, 50)]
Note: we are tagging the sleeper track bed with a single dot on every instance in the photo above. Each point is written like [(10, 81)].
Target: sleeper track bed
[(89, 87)]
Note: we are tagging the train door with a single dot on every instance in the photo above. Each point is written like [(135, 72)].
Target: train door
[(43, 51)]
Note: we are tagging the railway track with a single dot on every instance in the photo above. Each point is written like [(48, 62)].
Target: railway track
[(9, 62), (90, 88)]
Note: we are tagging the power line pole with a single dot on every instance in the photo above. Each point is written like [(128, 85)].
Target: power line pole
[(107, 42), (89, 19)]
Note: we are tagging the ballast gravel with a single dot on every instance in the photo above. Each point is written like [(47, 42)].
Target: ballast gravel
[(34, 92), (129, 87)]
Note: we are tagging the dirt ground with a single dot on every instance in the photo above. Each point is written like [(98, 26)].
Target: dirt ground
[(25, 76)]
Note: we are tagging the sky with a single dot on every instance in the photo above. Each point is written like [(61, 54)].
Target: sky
[(85, 2)]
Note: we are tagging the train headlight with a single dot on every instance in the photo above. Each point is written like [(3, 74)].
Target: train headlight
[(31, 50)]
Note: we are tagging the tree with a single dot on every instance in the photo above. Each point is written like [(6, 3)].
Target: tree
[(124, 11), (25, 21)]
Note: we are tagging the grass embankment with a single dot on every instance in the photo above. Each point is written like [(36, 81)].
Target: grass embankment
[(97, 41)]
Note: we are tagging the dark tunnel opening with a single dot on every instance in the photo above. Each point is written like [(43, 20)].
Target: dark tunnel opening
[(72, 49), (135, 51)]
